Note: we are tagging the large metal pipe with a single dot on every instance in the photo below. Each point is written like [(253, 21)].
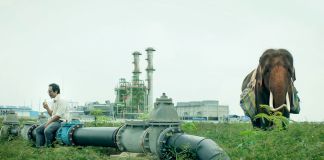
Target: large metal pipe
[(95, 136), (88, 136), (205, 149)]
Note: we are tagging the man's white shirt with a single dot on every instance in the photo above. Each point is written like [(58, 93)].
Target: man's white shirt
[(60, 108)]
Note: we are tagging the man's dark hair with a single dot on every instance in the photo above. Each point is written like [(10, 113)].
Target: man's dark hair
[(55, 88)]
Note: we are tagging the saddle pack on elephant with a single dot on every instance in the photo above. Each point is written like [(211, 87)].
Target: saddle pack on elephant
[(247, 98)]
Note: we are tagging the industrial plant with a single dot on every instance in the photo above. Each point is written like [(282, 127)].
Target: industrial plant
[(135, 97)]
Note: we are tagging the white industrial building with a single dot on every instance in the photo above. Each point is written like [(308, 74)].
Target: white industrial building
[(21, 111), (202, 110)]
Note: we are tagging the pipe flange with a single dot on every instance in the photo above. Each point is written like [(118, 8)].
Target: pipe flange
[(59, 136), (71, 132), (30, 131), (161, 147), (146, 141), (115, 135), (120, 146)]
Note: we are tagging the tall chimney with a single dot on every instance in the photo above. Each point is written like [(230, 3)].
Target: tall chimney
[(136, 71), (149, 71)]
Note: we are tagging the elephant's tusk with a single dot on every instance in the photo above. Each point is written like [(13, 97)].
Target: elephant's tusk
[(282, 106), (271, 100), (288, 102), (277, 109)]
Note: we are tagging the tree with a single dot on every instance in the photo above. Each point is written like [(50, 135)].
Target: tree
[(96, 113)]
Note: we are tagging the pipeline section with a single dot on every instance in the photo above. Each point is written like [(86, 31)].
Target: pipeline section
[(205, 149), (95, 136), (159, 135)]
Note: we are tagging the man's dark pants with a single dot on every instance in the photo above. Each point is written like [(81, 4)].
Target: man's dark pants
[(45, 136)]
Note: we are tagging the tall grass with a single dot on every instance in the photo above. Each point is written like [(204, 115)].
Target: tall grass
[(241, 141)]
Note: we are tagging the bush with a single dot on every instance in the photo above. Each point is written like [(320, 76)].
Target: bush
[(276, 119)]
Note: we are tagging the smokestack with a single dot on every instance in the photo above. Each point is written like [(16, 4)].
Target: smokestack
[(136, 71), (149, 71)]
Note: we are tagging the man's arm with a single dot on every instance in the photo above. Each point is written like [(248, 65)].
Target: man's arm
[(53, 119), (60, 112), (49, 111)]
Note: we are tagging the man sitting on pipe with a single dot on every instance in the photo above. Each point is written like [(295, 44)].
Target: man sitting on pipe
[(58, 111)]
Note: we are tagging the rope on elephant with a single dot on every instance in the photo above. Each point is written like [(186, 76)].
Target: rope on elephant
[(295, 107), (247, 98)]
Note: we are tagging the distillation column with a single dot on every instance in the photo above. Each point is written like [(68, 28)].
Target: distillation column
[(136, 71), (149, 71)]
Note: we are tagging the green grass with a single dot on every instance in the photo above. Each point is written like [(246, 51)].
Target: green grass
[(21, 149), (239, 140)]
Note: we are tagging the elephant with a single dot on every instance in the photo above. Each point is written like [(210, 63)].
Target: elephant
[(272, 83)]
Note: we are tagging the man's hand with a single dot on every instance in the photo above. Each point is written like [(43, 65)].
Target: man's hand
[(49, 111), (45, 105), (47, 124), (53, 119)]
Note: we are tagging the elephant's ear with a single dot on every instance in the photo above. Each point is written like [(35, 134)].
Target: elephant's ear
[(290, 62), (258, 76)]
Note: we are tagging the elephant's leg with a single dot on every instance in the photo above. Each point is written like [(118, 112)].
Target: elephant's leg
[(255, 123)]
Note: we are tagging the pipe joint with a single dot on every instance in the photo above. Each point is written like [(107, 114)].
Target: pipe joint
[(163, 149), (30, 132), (65, 134)]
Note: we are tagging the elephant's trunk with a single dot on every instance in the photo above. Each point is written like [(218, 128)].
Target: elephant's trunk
[(278, 83)]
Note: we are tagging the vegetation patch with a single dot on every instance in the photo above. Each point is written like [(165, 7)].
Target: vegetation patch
[(303, 140), (275, 119)]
